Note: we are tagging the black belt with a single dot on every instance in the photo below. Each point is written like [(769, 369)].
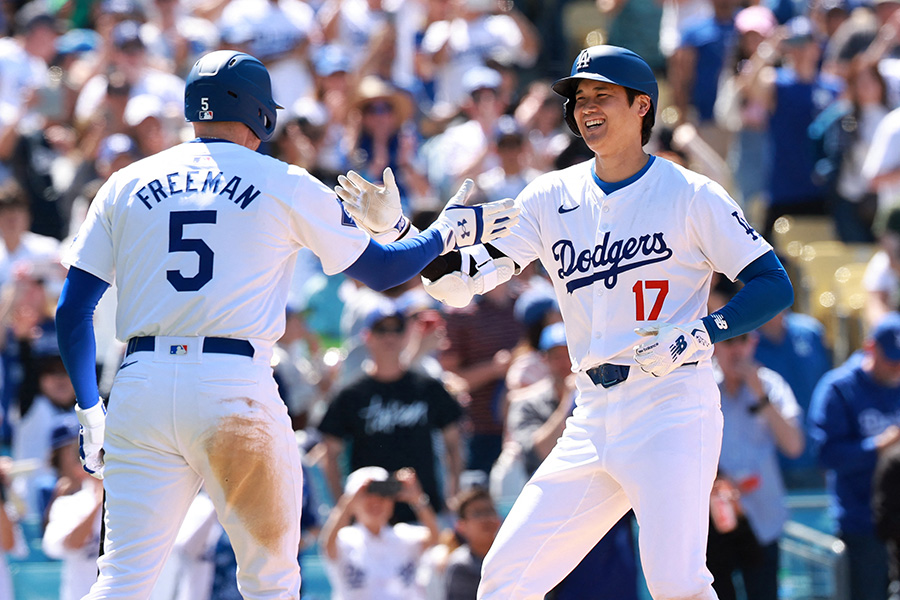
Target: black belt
[(211, 345), (608, 375)]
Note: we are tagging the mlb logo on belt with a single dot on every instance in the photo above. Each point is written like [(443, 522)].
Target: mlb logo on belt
[(178, 349)]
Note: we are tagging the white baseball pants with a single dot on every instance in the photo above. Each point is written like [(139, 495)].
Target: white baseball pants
[(648, 443), (176, 420)]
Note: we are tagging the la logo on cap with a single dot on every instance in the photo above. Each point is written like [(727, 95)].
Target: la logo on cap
[(584, 61)]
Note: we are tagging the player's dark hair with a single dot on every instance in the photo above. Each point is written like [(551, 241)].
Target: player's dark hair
[(649, 118)]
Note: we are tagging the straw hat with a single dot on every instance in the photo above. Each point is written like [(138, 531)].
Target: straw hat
[(373, 88)]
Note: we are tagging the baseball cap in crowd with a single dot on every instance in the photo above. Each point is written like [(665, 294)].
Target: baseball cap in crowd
[(310, 111), (799, 31), (36, 14), (127, 36), (357, 478), (77, 41), (756, 18), (122, 8), (553, 335), (887, 335), (331, 59), (480, 78), (382, 312), (508, 129), (64, 431), (141, 107), (114, 146), (415, 301), (533, 304)]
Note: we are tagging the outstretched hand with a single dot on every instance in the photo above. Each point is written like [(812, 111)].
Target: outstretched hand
[(376, 208), (462, 225)]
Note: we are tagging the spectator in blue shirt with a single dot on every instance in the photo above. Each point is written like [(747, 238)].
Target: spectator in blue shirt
[(854, 418), (695, 67), (794, 346)]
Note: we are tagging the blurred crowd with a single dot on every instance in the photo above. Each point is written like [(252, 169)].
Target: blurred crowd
[(419, 424)]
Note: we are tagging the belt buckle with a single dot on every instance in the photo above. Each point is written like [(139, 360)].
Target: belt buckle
[(608, 375)]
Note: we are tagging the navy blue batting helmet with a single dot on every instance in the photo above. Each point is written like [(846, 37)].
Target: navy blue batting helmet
[(231, 86), (613, 65)]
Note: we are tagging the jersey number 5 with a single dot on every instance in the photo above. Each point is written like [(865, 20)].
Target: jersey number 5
[(662, 287), (179, 243)]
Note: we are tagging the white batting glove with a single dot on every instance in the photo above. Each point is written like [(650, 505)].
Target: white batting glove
[(90, 437), (376, 208), (462, 225), (670, 347)]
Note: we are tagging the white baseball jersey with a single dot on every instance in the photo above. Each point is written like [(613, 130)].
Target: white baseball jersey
[(176, 230), (641, 254)]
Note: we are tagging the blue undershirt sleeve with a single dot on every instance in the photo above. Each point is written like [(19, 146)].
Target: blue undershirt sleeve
[(75, 332), (767, 291), (383, 267)]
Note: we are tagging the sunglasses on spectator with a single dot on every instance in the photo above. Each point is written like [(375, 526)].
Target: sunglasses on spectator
[(385, 328), (379, 108)]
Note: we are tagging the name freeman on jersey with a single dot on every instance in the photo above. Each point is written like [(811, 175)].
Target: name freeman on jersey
[(606, 253), (196, 180)]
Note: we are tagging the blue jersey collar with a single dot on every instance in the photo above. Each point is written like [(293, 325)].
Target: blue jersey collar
[(610, 187)]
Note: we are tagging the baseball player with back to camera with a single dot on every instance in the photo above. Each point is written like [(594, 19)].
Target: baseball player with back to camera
[(201, 240), (630, 242)]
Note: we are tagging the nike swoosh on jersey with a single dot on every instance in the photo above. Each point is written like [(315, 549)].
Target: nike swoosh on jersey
[(128, 364), (563, 210)]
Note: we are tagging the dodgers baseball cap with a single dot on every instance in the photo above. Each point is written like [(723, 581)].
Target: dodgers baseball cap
[(357, 478), (887, 335), (533, 304), (114, 146), (553, 335), (64, 432)]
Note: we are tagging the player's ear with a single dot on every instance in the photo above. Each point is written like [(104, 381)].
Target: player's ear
[(644, 104)]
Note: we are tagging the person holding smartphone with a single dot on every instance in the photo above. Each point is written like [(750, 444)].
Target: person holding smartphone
[(366, 557)]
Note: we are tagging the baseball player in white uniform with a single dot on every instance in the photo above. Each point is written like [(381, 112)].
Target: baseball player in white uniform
[(630, 242), (201, 240)]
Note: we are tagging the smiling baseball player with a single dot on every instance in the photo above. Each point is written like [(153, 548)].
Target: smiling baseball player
[(201, 240), (630, 242)]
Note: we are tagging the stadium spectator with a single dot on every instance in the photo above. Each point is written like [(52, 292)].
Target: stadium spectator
[(477, 525), (794, 94), (761, 419), (843, 134), (388, 415), (694, 70), (481, 337), (366, 557), (882, 277), (468, 39), (852, 421), (72, 534)]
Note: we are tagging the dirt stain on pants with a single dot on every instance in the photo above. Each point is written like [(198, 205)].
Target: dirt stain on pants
[(243, 457)]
